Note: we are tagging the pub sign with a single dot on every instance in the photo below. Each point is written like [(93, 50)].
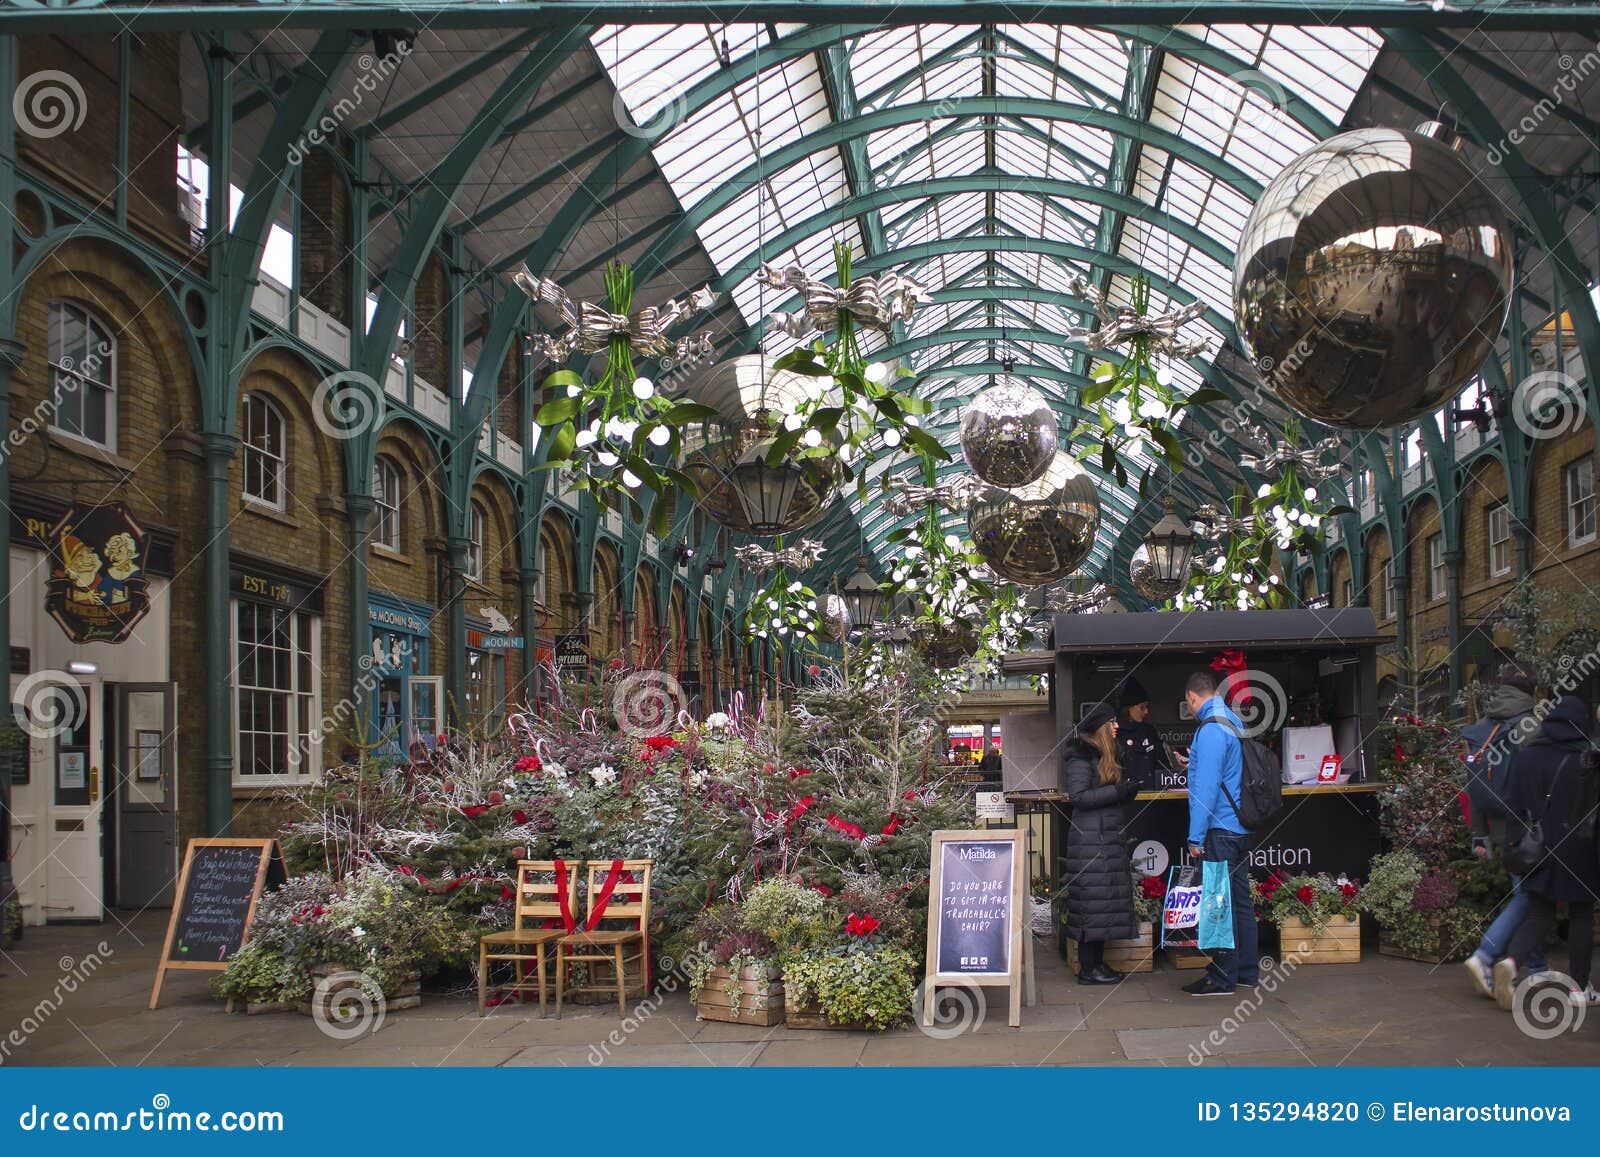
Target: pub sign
[(97, 590)]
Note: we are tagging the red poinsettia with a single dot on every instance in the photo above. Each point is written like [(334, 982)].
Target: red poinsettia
[(860, 925), (1349, 890), (519, 817), (1306, 894), (660, 742), (528, 763), (1153, 887)]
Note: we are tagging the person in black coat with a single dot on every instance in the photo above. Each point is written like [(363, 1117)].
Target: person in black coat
[(1140, 752), (1550, 787), (1099, 879)]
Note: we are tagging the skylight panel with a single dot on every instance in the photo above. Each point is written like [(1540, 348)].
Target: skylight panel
[(1096, 58), (891, 57)]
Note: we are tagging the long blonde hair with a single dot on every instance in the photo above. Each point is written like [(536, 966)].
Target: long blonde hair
[(1101, 740)]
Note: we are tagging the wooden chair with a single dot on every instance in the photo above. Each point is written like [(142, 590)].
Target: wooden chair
[(538, 904), (629, 900)]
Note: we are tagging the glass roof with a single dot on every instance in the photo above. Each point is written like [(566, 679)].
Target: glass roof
[(1238, 108)]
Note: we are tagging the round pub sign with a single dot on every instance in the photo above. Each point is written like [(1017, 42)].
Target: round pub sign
[(97, 589)]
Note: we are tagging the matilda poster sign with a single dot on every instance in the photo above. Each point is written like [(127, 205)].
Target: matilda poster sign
[(97, 590)]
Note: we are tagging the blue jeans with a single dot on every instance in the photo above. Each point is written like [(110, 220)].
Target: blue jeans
[(1243, 962), (1497, 939)]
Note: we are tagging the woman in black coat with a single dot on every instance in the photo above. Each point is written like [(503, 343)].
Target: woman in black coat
[(1099, 878), (1548, 787)]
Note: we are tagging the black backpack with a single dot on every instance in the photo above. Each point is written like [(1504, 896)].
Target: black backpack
[(1260, 781)]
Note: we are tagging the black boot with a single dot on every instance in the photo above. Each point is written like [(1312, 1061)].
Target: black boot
[(1092, 964)]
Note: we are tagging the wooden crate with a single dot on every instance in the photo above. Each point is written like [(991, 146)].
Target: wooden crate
[(1186, 958), (1337, 942), (760, 998), (811, 1016), (1135, 955)]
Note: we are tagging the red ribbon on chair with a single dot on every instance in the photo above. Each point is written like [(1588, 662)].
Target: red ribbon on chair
[(598, 909), (567, 921)]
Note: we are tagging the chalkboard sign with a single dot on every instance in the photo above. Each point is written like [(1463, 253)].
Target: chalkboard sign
[(978, 894), (222, 881)]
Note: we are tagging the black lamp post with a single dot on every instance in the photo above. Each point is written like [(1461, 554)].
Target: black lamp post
[(864, 596)]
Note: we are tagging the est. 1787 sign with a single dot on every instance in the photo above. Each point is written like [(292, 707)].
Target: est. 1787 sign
[(97, 590)]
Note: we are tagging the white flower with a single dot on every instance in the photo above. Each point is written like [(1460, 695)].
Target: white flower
[(358, 932), (718, 721), (603, 774)]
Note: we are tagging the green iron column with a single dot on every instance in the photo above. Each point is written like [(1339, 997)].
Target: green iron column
[(530, 632), (456, 617), (358, 520), (219, 450), (10, 358), (1453, 559)]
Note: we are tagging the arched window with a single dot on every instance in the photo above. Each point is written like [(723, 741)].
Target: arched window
[(83, 374), (266, 455), (386, 503), (475, 521)]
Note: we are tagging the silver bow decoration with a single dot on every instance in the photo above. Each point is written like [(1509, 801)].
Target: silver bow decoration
[(874, 302), (1120, 326), (591, 327), (1312, 461), (1072, 602), (757, 558), (902, 496), (1212, 521)]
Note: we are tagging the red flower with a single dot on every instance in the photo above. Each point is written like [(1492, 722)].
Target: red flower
[(497, 798), (529, 763), (860, 925), (802, 807), (1349, 890), (660, 742), (823, 888), (616, 664), (473, 811), (1153, 887), (519, 853), (1306, 894), (893, 825), (519, 817), (813, 670)]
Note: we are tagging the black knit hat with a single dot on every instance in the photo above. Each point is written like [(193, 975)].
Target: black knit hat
[(1131, 693), (1096, 717)]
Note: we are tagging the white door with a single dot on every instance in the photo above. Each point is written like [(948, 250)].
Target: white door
[(30, 809), (74, 871)]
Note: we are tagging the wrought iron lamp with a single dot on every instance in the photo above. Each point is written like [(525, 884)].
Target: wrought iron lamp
[(1169, 546), (864, 596)]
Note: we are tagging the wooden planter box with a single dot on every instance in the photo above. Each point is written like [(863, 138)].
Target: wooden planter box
[(811, 1016), (760, 998), (1338, 941), (1135, 955), (1186, 958), (1436, 953), (408, 995)]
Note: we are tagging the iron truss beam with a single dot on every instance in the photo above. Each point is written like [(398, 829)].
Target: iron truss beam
[(85, 16)]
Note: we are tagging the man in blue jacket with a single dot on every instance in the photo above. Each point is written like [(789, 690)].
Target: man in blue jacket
[(1216, 766)]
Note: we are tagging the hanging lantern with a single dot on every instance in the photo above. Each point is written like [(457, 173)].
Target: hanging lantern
[(1373, 277), (1041, 532), (863, 597), (1160, 567), (1009, 434), (727, 459)]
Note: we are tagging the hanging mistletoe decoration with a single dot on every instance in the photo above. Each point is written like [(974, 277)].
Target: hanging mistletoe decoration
[(855, 412), (1135, 398), (1005, 629), (1238, 573), (1290, 509), (942, 575), (617, 434), (785, 611)]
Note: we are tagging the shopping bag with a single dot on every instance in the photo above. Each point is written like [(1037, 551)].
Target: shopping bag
[(1216, 906), (1180, 911)]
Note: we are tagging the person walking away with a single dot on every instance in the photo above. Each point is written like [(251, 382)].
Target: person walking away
[(1140, 752), (1216, 768), (1490, 744), (1099, 874), (1549, 789)]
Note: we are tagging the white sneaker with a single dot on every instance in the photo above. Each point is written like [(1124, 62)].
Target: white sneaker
[(1482, 980), (1546, 976), (1583, 996), (1505, 983)]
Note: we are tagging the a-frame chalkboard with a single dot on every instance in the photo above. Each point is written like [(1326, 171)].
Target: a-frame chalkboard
[(221, 883), (977, 916)]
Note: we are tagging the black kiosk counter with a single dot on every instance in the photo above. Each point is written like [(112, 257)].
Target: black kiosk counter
[(1313, 700)]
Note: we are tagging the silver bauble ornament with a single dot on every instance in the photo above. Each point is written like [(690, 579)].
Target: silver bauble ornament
[(1009, 434), (1373, 277), (1143, 577), (1041, 532), (836, 622), (727, 458)]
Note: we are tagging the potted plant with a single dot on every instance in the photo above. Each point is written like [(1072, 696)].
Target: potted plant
[(861, 983), (1316, 914), (1424, 913), (1136, 954), (737, 978)]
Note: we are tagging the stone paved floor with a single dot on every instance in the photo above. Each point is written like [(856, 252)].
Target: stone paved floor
[(1379, 1012)]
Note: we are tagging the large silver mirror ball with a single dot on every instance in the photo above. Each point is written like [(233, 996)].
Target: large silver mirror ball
[(1038, 533), (1373, 278), (1143, 577), (1009, 434)]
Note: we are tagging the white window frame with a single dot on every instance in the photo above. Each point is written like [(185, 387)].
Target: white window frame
[(1386, 588), (1438, 576), (1347, 592), (477, 518), (1498, 518), (1580, 509), (384, 510), (58, 310), (301, 701), (252, 450)]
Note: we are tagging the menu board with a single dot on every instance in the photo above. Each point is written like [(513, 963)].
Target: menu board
[(976, 914), (217, 893)]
